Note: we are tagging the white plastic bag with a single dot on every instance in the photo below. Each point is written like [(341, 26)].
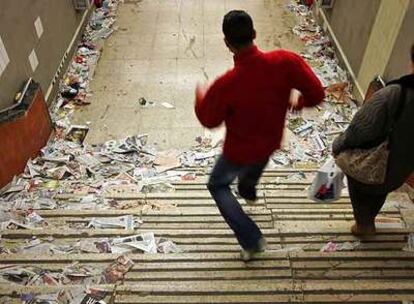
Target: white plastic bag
[(328, 183)]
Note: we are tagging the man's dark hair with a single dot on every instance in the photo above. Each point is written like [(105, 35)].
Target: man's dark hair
[(238, 28), (412, 53)]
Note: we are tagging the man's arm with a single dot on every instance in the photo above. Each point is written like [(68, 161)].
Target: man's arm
[(370, 123), (210, 106), (305, 81)]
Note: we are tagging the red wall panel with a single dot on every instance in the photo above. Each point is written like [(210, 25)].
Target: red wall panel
[(23, 138)]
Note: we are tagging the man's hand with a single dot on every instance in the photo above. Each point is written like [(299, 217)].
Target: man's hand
[(294, 98), (201, 90)]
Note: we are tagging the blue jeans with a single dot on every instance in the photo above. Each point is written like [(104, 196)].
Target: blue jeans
[(224, 173)]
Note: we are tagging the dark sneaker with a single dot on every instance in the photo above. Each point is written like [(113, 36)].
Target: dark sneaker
[(251, 202)]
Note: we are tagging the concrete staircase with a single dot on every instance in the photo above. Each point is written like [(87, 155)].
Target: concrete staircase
[(210, 271)]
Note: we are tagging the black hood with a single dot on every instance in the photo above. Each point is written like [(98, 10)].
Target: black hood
[(406, 81)]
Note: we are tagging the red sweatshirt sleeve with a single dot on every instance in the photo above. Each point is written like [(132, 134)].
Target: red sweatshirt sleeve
[(304, 80), (210, 107)]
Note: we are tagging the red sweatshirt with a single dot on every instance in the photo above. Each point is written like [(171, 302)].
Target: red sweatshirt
[(252, 100)]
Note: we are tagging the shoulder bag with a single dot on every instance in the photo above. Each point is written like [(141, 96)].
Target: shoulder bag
[(369, 166)]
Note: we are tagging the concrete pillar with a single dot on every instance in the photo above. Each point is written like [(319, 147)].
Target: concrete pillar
[(382, 39)]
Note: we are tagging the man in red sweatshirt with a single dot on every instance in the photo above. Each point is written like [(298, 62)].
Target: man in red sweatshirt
[(252, 100)]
